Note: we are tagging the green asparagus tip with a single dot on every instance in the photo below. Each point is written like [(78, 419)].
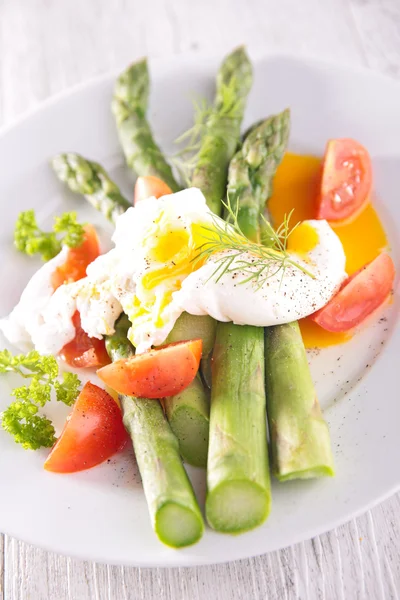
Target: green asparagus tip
[(132, 89), (235, 73)]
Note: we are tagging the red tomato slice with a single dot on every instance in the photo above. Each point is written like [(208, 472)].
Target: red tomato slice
[(145, 187), (84, 351), (155, 374), (93, 432), (346, 180), (359, 296), (78, 259)]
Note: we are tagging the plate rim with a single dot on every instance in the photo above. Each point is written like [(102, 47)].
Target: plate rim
[(115, 71)]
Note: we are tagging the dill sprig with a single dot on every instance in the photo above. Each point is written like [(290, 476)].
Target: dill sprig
[(238, 254)]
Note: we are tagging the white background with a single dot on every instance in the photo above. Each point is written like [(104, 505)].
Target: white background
[(47, 46)]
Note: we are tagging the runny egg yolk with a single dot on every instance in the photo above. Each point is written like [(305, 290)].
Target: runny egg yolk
[(169, 245), (177, 249), (171, 254), (303, 239), (296, 187)]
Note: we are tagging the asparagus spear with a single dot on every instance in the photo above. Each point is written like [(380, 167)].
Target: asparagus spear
[(173, 507), (129, 106), (218, 144), (300, 441), (188, 416), (239, 495), (144, 156), (86, 177), (189, 327), (252, 169), (188, 412), (222, 128)]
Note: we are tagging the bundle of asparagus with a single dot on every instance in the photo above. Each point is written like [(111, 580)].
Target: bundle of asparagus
[(245, 364)]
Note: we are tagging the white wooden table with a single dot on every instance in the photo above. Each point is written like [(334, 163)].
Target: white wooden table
[(49, 45)]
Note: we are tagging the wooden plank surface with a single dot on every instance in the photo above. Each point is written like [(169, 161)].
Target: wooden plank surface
[(47, 46)]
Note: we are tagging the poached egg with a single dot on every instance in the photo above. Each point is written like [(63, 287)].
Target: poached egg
[(152, 276)]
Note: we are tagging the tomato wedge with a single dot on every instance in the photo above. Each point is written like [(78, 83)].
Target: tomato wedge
[(155, 374), (359, 296), (78, 259), (145, 187), (84, 351), (346, 180), (93, 432)]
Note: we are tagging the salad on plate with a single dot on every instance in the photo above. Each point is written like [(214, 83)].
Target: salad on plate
[(234, 258)]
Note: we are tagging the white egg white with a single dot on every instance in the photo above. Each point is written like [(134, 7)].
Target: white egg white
[(23, 326), (283, 298)]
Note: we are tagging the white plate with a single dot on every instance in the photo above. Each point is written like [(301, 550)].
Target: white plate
[(101, 514)]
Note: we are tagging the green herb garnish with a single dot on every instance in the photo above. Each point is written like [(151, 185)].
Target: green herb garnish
[(31, 240), (21, 418), (237, 253)]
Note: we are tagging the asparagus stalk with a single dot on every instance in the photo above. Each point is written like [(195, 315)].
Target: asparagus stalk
[(188, 415), (238, 497), (239, 494), (189, 327), (173, 507), (86, 177), (129, 106), (222, 128), (187, 412), (252, 169), (300, 441)]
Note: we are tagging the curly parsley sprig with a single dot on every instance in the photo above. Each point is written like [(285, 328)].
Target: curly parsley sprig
[(30, 239), (21, 418)]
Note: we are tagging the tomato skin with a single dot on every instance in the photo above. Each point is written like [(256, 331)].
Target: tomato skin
[(346, 181), (78, 259), (93, 432), (358, 297), (145, 187), (84, 351), (159, 373)]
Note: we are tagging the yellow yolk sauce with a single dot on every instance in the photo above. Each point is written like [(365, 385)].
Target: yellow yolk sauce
[(296, 188)]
